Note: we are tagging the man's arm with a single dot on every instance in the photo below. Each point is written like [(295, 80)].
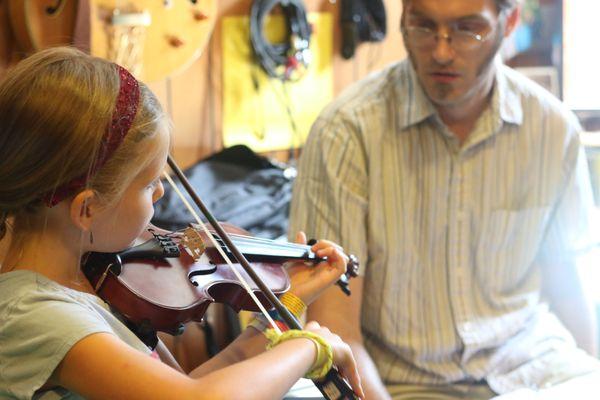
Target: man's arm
[(341, 314), (562, 287), (572, 231)]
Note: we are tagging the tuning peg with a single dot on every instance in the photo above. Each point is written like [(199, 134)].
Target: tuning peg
[(344, 285), (353, 266)]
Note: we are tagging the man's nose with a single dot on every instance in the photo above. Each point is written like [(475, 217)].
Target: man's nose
[(443, 53)]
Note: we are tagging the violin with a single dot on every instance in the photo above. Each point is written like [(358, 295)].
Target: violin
[(171, 278)]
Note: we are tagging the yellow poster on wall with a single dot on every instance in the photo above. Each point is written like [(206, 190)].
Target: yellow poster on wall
[(264, 113)]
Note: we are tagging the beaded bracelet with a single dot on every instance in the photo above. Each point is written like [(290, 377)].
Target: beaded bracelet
[(293, 303), (324, 358)]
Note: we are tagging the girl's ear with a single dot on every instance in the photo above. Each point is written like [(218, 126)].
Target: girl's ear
[(83, 209)]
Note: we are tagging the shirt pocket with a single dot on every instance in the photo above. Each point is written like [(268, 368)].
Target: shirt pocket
[(508, 244)]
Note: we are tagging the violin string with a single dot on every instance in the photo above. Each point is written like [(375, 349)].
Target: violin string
[(269, 242), (274, 243), (222, 253), (258, 249), (266, 243)]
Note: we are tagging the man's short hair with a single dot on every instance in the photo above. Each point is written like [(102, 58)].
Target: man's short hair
[(502, 5)]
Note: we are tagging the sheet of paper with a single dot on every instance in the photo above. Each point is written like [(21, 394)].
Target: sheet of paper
[(304, 389), (586, 387)]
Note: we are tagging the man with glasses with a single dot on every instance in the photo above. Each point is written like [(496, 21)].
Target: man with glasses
[(462, 188)]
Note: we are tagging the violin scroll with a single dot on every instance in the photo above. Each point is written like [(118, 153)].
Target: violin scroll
[(351, 272)]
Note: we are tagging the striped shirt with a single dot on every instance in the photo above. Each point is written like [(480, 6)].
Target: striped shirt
[(452, 237)]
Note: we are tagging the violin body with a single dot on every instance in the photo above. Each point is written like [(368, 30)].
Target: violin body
[(163, 283)]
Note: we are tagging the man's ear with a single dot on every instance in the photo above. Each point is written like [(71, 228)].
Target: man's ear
[(512, 20), (83, 209)]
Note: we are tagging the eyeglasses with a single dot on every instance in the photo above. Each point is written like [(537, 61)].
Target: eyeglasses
[(460, 39)]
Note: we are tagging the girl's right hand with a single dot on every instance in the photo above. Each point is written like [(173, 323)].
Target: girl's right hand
[(342, 356)]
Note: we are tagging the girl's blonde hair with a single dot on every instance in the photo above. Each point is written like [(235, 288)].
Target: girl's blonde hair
[(55, 107)]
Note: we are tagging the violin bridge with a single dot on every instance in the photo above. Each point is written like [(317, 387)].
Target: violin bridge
[(193, 243)]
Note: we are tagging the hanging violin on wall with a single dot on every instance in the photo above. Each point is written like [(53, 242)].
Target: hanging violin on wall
[(172, 277)]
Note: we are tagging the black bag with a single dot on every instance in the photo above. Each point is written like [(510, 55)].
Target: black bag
[(237, 186)]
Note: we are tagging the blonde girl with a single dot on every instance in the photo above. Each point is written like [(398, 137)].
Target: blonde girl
[(82, 149)]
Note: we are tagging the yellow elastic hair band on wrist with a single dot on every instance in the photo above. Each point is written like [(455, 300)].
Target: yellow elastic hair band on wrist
[(324, 358), (293, 303)]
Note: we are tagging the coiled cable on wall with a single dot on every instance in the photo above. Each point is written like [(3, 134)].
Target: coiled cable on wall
[(287, 60)]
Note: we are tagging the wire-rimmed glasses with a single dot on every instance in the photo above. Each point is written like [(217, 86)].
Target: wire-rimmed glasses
[(459, 39)]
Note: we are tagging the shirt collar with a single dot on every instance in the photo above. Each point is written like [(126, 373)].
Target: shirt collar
[(506, 98), (417, 108)]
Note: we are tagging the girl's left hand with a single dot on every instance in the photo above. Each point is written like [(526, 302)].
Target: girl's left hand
[(343, 358), (309, 281)]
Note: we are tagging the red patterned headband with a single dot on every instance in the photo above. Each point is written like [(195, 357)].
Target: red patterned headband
[(122, 118)]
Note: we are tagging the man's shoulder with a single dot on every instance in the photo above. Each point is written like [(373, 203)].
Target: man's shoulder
[(543, 114), (377, 88), (533, 96)]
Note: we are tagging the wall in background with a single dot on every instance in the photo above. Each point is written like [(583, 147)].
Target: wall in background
[(193, 97)]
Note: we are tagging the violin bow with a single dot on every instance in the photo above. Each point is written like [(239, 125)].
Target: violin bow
[(333, 386)]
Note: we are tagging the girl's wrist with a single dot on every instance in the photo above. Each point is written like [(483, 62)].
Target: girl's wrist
[(323, 360), (292, 302)]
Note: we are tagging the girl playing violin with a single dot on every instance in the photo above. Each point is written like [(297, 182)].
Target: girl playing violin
[(82, 149)]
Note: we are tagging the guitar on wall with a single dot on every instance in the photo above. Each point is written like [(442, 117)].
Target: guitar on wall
[(152, 38), (40, 24)]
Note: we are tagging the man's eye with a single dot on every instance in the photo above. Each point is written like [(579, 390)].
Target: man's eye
[(421, 23), (469, 27)]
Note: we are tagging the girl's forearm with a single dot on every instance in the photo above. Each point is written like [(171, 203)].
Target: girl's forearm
[(279, 369), (248, 344)]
